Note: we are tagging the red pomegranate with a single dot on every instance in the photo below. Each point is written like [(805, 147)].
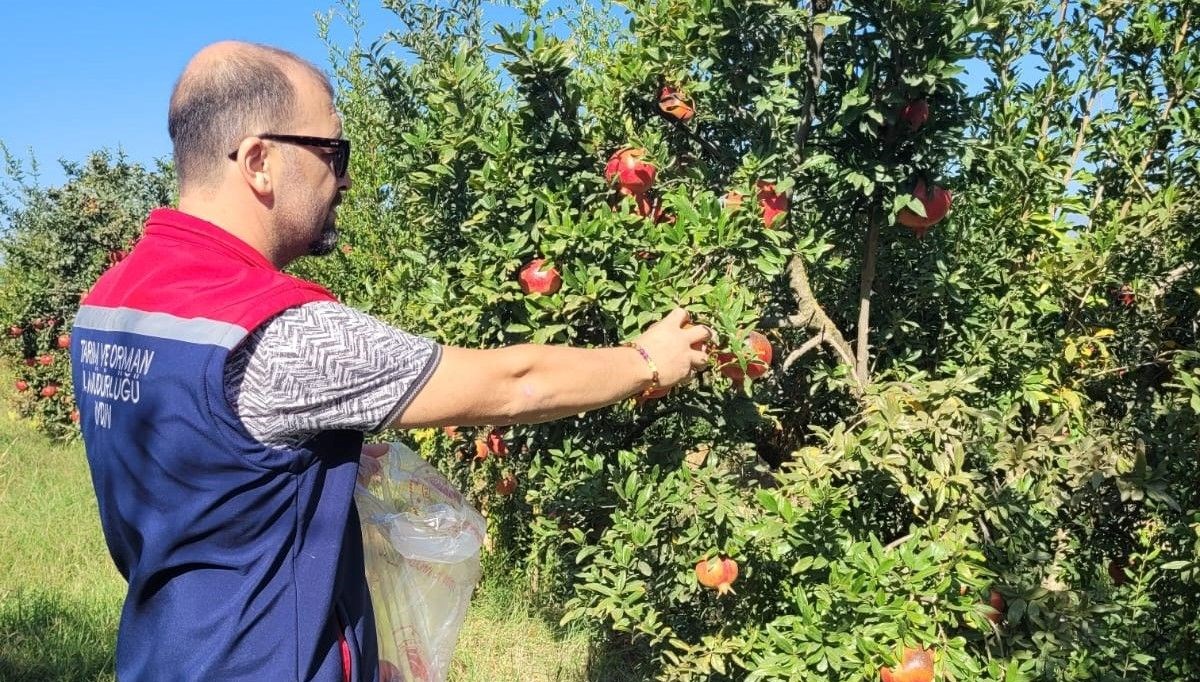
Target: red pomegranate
[(673, 103), (629, 172), (717, 573), (728, 365), (915, 113), (536, 280), (773, 204), (507, 485), (936, 201), (496, 444)]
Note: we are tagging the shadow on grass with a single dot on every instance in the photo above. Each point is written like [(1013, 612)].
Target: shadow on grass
[(47, 638)]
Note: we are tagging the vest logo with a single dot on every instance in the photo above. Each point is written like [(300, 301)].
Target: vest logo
[(112, 372)]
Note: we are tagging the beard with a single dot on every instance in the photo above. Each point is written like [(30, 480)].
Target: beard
[(327, 241)]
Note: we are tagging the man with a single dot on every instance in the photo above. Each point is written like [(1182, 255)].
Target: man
[(225, 402)]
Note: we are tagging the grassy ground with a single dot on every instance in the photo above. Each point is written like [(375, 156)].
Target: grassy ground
[(60, 596)]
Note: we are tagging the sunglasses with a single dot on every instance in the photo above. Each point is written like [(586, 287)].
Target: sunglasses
[(339, 147)]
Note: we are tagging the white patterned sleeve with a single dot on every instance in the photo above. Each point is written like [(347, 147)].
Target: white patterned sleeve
[(324, 366)]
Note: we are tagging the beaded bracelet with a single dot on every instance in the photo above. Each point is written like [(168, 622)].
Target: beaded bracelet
[(653, 367)]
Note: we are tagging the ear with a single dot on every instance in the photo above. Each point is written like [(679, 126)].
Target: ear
[(254, 165)]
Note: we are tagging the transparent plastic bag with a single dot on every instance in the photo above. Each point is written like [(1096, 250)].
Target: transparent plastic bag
[(422, 542)]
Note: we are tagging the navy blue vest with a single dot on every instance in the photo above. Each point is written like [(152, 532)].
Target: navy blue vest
[(244, 562)]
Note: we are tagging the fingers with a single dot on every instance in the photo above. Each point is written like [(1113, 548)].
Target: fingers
[(700, 334), (678, 317), (375, 450)]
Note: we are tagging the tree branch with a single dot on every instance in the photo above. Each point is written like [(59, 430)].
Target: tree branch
[(862, 345), (814, 42), (801, 351)]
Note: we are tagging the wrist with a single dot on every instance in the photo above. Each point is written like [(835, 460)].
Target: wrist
[(650, 378)]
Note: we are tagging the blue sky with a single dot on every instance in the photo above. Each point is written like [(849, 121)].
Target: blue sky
[(77, 76)]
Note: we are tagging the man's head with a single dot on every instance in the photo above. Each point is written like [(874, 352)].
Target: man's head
[(255, 134)]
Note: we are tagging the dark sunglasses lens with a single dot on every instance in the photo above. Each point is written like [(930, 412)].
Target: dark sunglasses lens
[(341, 159)]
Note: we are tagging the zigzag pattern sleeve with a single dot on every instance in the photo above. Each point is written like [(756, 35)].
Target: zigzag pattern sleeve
[(324, 366)]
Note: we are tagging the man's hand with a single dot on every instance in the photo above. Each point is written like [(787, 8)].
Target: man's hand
[(369, 464), (678, 348)]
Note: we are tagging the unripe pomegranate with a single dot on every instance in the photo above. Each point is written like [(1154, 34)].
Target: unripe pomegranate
[(915, 113), (773, 204), (507, 485), (673, 103), (49, 391), (535, 280), (936, 201), (22, 385), (717, 573), (629, 172), (728, 365), (916, 665), (64, 341)]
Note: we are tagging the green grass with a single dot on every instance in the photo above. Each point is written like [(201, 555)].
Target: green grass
[(60, 596)]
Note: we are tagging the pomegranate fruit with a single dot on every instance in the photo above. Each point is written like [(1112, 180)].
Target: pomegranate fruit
[(481, 450), (652, 208), (728, 365), (717, 573), (15, 331), (1126, 296), (673, 103), (49, 390), (64, 341), (916, 665), (536, 280), (22, 385), (75, 416), (996, 601), (1116, 571), (46, 360), (507, 485), (915, 113), (629, 172), (772, 203), (496, 444), (731, 200), (936, 201)]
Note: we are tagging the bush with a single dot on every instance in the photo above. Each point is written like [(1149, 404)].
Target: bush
[(56, 243), (1013, 414)]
